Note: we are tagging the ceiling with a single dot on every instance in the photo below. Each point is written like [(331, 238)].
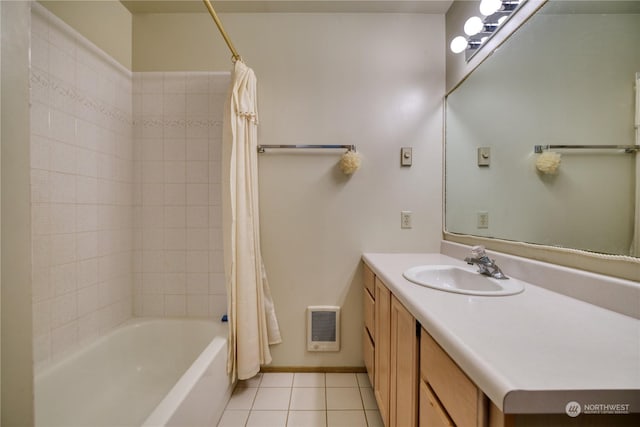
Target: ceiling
[(290, 6)]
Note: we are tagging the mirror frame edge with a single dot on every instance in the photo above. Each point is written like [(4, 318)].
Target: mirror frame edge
[(624, 267)]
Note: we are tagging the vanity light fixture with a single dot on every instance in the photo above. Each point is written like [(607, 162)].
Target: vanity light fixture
[(479, 30), (459, 44), (473, 26), (489, 7)]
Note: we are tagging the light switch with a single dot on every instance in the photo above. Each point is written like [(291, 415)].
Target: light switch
[(484, 156), (406, 156)]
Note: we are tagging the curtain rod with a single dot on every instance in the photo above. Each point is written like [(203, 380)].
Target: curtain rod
[(626, 148), (223, 33)]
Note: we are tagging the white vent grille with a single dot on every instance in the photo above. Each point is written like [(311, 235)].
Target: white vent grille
[(323, 328)]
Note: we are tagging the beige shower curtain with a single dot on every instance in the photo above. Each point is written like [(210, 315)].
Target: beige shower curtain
[(252, 321), (635, 243)]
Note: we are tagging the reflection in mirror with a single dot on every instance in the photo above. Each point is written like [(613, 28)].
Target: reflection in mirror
[(566, 77)]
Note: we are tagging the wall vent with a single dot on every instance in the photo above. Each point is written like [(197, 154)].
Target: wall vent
[(323, 328)]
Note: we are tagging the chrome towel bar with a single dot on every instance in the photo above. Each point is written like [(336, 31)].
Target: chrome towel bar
[(262, 148), (626, 148)]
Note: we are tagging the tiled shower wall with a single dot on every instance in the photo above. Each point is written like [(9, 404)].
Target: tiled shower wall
[(82, 188), (178, 269), (125, 204)]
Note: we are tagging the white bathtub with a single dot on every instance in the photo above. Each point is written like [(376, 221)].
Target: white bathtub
[(149, 372)]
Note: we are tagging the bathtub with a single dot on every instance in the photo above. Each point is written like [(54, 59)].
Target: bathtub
[(148, 372)]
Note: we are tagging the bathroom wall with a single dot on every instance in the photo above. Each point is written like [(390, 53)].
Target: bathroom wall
[(81, 188), (178, 241), (107, 24), (373, 80), (17, 367)]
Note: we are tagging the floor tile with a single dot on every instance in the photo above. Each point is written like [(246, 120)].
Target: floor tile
[(277, 379), (251, 382), (307, 399), (231, 418), (363, 380), (272, 398), (341, 380), (374, 419), (267, 419), (368, 399), (346, 419), (242, 398), (307, 419), (308, 379), (343, 398)]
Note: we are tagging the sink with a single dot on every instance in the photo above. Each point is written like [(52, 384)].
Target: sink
[(460, 280)]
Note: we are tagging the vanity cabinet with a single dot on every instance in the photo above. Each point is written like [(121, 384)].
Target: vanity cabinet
[(417, 384), (368, 344), (403, 410), (390, 339), (447, 396), (382, 354)]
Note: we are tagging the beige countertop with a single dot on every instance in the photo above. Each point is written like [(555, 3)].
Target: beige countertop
[(533, 352)]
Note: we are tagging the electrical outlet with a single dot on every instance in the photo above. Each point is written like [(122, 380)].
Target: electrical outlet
[(483, 219), (405, 219)]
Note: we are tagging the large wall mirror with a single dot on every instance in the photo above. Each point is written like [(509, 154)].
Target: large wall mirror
[(566, 77)]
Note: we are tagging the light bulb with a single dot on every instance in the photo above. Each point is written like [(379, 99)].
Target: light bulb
[(502, 19), (459, 44), (489, 7), (473, 26)]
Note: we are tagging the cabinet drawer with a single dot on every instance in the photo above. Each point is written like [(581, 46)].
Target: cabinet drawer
[(368, 312), (462, 400), (432, 414), (368, 350), (368, 279)]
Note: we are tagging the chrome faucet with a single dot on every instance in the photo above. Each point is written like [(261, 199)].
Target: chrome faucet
[(485, 265)]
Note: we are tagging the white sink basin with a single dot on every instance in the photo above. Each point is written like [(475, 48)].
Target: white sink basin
[(462, 281)]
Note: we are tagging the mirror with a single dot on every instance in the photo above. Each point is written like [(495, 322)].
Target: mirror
[(566, 77)]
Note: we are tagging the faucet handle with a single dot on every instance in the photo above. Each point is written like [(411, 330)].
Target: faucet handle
[(478, 251)]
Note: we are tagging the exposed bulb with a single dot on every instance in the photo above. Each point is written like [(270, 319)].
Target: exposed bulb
[(489, 7), (502, 19), (473, 26), (459, 44)]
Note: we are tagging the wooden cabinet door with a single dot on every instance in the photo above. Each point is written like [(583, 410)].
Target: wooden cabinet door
[(432, 414), (403, 408), (382, 339)]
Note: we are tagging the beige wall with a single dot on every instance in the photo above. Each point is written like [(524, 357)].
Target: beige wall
[(17, 379), (374, 80), (107, 24)]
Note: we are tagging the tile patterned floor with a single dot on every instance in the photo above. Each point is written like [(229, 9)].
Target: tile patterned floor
[(287, 399)]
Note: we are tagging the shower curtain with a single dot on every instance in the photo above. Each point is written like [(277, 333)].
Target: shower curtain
[(252, 320), (635, 244)]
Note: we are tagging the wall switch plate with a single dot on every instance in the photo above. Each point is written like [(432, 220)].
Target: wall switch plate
[(483, 219), (405, 219), (484, 156), (406, 156)]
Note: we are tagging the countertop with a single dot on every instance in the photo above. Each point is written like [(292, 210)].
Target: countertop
[(533, 352)]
